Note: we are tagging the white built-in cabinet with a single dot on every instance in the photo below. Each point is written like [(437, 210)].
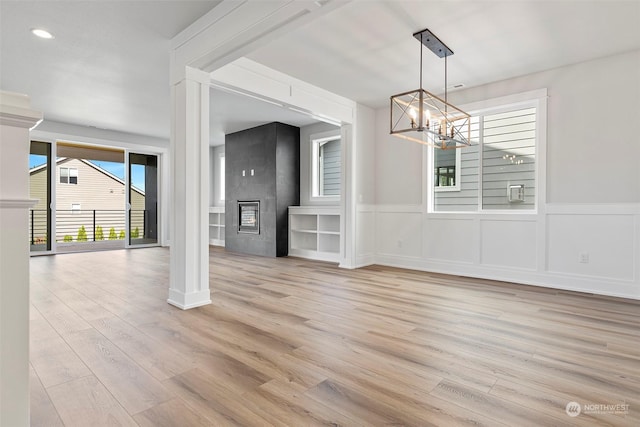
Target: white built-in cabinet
[(216, 225), (314, 232)]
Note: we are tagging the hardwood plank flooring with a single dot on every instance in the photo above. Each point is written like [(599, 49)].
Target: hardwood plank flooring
[(292, 342)]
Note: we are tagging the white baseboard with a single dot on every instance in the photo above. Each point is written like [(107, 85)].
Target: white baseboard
[(569, 282)]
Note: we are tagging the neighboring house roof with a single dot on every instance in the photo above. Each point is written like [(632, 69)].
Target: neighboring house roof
[(89, 163)]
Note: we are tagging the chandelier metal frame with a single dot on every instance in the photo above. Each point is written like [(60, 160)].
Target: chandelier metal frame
[(420, 116)]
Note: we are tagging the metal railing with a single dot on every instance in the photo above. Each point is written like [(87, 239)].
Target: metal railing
[(38, 226), (86, 225)]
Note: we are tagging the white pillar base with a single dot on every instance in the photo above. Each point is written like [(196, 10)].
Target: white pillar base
[(187, 301)]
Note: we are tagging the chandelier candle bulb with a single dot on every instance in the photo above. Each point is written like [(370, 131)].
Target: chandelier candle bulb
[(413, 115)]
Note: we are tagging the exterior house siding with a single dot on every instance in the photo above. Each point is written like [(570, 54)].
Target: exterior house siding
[(466, 199), (331, 168), (504, 135)]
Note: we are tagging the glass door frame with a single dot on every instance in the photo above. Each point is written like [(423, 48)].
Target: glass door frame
[(127, 178), (51, 190)]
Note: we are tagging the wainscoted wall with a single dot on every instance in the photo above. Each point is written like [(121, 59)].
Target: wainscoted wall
[(585, 234), (607, 235), (579, 247)]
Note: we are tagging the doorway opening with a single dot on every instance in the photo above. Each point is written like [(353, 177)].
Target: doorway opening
[(91, 198)]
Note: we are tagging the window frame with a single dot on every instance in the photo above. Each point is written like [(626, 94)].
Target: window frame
[(68, 175), (458, 172), (535, 98), (316, 141), (73, 173)]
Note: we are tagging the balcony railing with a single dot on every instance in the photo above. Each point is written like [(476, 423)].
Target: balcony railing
[(86, 225)]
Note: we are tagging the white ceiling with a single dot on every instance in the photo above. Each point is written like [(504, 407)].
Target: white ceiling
[(365, 50), (108, 65)]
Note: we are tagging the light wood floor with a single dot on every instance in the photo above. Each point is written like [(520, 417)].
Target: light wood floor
[(291, 342)]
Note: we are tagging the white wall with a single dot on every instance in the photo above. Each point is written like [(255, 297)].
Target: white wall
[(214, 174), (398, 166), (364, 153), (591, 204), (90, 133)]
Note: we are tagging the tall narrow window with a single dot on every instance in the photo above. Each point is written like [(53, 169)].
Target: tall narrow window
[(40, 167), (326, 166), (221, 169)]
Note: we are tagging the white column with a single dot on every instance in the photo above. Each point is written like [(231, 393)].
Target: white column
[(16, 118), (189, 266)]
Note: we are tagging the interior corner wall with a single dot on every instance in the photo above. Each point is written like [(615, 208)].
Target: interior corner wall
[(305, 161), (214, 175), (591, 205)]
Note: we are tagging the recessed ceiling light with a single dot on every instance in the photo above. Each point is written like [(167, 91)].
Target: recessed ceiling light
[(43, 34)]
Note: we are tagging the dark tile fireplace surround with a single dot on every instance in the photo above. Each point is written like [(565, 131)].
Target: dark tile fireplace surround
[(262, 176)]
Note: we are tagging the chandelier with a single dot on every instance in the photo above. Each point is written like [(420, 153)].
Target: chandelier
[(423, 117)]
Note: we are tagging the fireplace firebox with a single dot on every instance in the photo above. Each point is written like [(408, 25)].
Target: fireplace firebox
[(249, 217)]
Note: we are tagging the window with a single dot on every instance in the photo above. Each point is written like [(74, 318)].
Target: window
[(68, 176), (221, 164), (446, 170), (499, 171), (326, 165)]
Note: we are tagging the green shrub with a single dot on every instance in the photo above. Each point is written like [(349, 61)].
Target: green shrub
[(112, 234), (121, 235), (99, 233), (82, 234), (135, 233), (68, 238)]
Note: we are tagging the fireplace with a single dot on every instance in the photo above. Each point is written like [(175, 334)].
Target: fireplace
[(249, 217)]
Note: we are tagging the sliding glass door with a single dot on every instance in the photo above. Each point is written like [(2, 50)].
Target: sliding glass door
[(40, 218), (142, 199)]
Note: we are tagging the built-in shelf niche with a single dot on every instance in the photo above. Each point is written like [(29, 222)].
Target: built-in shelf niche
[(314, 232), (216, 225)]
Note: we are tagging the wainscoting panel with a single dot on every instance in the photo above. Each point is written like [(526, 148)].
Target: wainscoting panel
[(399, 233), (508, 243), (452, 240), (592, 245), (366, 235)]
